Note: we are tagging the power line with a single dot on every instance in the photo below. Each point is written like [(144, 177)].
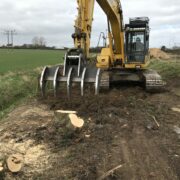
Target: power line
[(10, 37), (6, 32)]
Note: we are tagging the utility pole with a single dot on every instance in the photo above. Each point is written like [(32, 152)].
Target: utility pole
[(7, 33), (13, 32), (10, 36)]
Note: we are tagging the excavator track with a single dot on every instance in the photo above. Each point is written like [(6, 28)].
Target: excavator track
[(105, 80), (153, 81), (83, 74)]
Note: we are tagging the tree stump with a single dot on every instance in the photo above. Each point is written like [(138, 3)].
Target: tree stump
[(69, 122)]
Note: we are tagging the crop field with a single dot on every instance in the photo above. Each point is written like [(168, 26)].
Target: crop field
[(19, 70), (15, 60)]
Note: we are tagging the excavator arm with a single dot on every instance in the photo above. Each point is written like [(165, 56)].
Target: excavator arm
[(83, 26)]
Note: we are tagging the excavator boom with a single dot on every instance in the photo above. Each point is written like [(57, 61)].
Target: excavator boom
[(113, 11)]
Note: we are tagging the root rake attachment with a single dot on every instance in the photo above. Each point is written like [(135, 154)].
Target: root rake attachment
[(75, 70)]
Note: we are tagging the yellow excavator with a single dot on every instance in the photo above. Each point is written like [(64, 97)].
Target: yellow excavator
[(125, 58)]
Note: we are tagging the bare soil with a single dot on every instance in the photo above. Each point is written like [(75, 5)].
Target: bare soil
[(125, 126), (159, 54)]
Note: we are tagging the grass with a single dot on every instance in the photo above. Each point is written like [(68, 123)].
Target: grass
[(16, 87), (19, 72), (168, 69), (21, 60)]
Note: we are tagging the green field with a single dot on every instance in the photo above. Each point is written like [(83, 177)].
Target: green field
[(19, 71), (22, 60)]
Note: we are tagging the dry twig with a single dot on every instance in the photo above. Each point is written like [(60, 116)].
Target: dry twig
[(108, 173), (154, 118)]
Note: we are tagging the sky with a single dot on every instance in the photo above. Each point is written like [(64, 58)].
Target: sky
[(54, 20)]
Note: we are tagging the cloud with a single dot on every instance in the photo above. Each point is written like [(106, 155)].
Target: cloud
[(54, 20)]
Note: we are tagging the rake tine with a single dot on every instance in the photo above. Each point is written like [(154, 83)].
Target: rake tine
[(65, 65), (79, 65), (42, 81), (69, 82), (82, 81), (55, 82), (97, 83)]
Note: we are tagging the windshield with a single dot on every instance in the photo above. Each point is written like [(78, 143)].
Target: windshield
[(136, 42), (136, 46)]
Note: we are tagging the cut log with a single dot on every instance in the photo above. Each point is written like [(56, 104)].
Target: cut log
[(76, 121), (69, 121), (15, 163)]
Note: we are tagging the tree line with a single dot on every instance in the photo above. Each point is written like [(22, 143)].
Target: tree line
[(37, 43)]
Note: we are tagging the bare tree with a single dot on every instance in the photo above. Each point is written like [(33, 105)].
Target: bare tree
[(42, 41), (39, 41), (35, 41)]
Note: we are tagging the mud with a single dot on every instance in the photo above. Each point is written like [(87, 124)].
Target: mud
[(120, 129)]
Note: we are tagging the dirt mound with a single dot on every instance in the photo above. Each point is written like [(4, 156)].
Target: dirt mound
[(158, 54)]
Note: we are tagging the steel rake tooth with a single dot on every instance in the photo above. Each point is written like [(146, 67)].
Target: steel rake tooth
[(97, 83), (82, 81), (53, 75), (69, 78), (55, 82), (43, 81)]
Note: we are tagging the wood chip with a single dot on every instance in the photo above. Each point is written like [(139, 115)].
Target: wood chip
[(66, 112), (176, 109), (1, 169), (87, 136)]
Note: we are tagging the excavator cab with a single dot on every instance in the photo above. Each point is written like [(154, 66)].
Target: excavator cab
[(137, 40)]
